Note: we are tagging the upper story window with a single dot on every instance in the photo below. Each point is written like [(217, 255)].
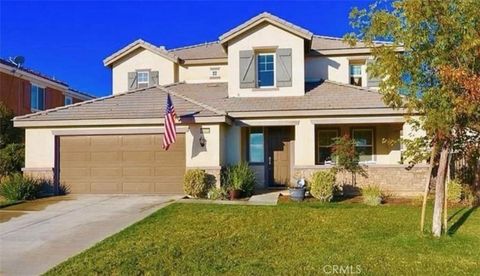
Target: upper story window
[(356, 74), (364, 143), (37, 98), (68, 100), (142, 78), (266, 70)]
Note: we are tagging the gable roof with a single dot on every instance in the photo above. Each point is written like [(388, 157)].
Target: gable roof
[(137, 44), (266, 17), (146, 103)]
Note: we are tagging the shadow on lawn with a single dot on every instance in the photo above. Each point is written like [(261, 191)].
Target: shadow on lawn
[(461, 220)]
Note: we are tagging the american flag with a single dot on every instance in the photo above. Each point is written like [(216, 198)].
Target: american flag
[(170, 135)]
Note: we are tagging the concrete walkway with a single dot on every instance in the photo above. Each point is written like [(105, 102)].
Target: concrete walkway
[(38, 235)]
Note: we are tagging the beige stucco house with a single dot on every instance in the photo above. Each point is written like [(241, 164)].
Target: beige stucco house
[(267, 92)]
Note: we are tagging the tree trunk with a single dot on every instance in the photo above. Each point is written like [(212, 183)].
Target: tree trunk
[(427, 186), (440, 191), (447, 179)]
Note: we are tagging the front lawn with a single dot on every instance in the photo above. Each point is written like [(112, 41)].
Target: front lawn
[(305, 238)]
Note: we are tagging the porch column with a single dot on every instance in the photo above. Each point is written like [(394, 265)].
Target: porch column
[(304, 143)]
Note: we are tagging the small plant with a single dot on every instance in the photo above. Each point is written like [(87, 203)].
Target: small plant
[(11, 159), (19, 187), (322, 185), (240, 177), (217, 193), (372, 195), (196, 183), (454, 190)]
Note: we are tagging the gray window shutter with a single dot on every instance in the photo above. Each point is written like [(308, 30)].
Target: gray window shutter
[(132, 81), (372, 81), (284, 67), (153, 78), (247, 69)]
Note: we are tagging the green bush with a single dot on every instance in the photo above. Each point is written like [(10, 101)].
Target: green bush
[(217, 193), (372, 195), (240, 177), (19, 187), (196, 183), (11, 159), (322, 185), (454, 190)]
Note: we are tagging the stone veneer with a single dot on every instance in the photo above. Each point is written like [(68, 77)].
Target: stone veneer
[(395, 180)]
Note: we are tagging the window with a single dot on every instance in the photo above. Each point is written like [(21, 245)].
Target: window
[(364, 143), (68, 100), (214, 73), (325, 139), (255, 145), (37, 98), (265, 70), (142, 78), (356, 74)]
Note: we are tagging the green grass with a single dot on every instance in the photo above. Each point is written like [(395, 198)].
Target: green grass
[(286, 239)]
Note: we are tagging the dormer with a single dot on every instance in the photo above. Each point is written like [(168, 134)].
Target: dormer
[(266, 57)]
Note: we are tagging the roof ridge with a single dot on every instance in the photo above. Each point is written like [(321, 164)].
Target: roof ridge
[(193, 46), (352, 86), (159, 50), (39, 74), (174, 93), (328, 37), (43, 112)]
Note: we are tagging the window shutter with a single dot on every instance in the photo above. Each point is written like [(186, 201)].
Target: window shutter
[(132, 81), (372, 81), (284, 67), (247, 69), (153, 78)]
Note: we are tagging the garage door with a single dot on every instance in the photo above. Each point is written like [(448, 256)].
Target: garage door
[(121, 164)]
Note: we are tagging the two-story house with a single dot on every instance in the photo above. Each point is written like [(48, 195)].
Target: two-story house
[(24, 90), (267, 92)]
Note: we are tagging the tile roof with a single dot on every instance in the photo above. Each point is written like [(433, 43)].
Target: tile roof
[(31, 71), (138, 104), (324, 95), (267, 16), (211, 99), (320, 42), (160, 50), (207, 50)]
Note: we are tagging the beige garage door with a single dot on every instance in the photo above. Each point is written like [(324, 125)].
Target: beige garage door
[(121, 164)]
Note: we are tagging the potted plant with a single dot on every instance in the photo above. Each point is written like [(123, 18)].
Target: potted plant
[(297, 191), (240, 180)]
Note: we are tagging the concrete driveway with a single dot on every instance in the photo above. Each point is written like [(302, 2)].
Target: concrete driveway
[(38, 235)]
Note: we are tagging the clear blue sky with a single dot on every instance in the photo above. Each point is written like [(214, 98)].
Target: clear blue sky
[(69, 40)]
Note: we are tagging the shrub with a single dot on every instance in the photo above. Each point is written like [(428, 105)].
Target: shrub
[(372, 195), (11, 159), (322, 185), (196, 183), (217, 193), (19, 187), (454, 190), (240, 177)]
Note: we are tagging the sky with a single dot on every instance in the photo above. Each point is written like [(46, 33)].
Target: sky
[(70, 39)]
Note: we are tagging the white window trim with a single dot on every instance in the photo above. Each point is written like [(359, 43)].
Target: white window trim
[(143, 82), (337, 134), (274, 70), (350, 75), (372, 145), (68, 97), (33, 109)]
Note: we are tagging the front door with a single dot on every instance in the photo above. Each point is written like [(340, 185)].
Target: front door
[(278, 151)]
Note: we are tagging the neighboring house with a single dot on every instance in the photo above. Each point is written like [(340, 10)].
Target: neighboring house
[(25, 91), (268, 92)]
